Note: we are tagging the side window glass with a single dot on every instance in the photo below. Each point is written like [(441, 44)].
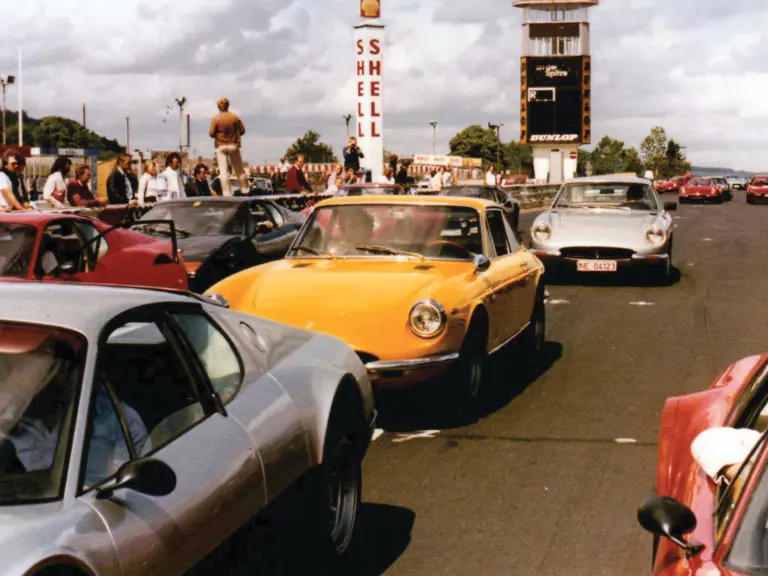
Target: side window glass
[(157, 396), (89, 232), (514, 243), (221, 362), (498, 233), (276, 216), (59, 245)]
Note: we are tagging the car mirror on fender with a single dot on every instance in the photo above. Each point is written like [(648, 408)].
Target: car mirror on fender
[(481, 263), (664, 516), (145, 476)]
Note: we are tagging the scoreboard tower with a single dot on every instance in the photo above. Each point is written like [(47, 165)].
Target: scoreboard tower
[(555, 84)]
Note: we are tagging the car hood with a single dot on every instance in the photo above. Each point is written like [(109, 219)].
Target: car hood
[(351, 299), (615, 222), (199, 248)]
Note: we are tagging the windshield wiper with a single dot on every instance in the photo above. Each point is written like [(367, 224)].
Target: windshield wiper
[(390, 251), (313, 251)]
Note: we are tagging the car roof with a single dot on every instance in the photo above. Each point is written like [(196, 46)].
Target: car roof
[(35, 218), (372, 185), (84, 308), (610, 179), (230, 199), (476, 203)]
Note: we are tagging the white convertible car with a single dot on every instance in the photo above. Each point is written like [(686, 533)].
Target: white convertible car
[(139, 429)]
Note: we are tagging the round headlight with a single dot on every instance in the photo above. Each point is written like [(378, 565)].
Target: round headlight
[(542, 231), (655, 235), (427, 319)]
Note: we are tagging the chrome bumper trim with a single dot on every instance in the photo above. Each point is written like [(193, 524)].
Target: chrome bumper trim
[(411, 364), (650, 257)]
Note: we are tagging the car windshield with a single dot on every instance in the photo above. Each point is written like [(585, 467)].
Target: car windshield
[(700, 182), (17, 243), (469, 192), (607, 195), (199, 218), (40, 370), (760, 182), (385, 230), (370, 191)]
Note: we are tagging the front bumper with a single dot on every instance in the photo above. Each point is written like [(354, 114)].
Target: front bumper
[(399, 373), (757, 198), (555, 258), (700, 197)]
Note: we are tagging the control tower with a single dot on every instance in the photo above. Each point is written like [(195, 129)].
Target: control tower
[(555, 84)]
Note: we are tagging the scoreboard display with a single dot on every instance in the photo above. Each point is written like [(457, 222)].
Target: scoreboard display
[(555, 99)]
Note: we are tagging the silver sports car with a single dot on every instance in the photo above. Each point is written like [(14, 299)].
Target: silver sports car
[(139, 428), (605, 223)]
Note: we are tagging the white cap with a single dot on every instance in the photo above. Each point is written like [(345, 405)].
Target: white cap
[(717, 448)]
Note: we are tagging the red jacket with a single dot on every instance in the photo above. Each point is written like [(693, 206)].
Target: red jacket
[(295, 180)]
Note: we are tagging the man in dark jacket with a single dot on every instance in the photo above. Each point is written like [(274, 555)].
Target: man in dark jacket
[(295, 180), (198, 185), (352, 155), (119, 189)]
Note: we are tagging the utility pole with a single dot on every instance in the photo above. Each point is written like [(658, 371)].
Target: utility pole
[(128, 135), (497, 129), (434, 136), (84, 124), (181, 101), (347, 119), (5, 82)]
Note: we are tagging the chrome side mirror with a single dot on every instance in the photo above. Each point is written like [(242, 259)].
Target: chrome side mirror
[(481, 263)]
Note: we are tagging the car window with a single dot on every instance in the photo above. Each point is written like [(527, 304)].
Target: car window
[(89, 232), (216, 353), (17, 244), (139, 370), (276, 216), (498, 232), (60, 244), (512, 238), (727, 496)]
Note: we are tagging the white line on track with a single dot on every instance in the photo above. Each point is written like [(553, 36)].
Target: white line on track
[(642, 304), (707, 240), (556, 302), (625, 441), (427, 434)]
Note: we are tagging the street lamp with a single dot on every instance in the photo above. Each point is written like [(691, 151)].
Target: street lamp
[(6, 82), (434, 136), (181, 101), (347, 119), (497, 128)]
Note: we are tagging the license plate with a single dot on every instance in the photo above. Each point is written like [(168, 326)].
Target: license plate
[(596, 265)]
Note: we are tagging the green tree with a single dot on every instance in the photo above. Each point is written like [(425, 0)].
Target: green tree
[(631, 161), (476, 142), (654, 150), (607, 157), (676, 162), (518, 157), (312, 148)]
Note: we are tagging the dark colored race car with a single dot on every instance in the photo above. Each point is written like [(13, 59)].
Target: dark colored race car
[(219, 237), (55, 247), (510, 205)]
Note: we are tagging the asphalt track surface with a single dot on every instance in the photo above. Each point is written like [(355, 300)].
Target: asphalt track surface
[(546, 479)]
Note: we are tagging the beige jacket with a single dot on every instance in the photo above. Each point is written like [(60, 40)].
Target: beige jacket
[(227, 129)]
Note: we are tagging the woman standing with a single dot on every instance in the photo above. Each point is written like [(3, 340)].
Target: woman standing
[(148, 185), (55, 189)]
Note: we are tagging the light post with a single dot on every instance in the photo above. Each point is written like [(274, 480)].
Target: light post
[(347, 119), (6, 82), (497, 129), (434, 136), (181, 101)]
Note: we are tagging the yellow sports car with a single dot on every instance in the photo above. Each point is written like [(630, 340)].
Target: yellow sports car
[(418, 286)]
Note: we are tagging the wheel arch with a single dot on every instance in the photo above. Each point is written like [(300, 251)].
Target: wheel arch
[(61, 565), (479, 315)]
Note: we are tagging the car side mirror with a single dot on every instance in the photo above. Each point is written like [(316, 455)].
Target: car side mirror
[(665, 516), (670, 206), (481, 263), (145, 476)]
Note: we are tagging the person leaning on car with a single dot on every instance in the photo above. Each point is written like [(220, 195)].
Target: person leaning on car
[(295, 180), (13, 194), (78, 190), (119, 189), (198, 185)]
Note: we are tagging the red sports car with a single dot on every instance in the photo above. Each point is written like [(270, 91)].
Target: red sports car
[(702, 189), (703, 528), (757, 189), (53, 247), (671, 185)]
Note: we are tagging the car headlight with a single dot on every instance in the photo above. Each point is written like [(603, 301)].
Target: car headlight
[(655, 235), (542, 231), (427, 319)]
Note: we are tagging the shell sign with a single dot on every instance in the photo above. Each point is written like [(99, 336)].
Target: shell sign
[(370, 9)]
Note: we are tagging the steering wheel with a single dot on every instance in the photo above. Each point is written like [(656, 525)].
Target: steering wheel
[(448, 244)]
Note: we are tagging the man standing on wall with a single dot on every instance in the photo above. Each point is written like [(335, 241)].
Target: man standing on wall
[(227, 130), (352, 155)]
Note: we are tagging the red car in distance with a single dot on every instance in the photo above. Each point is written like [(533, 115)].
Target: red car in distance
[(671, 185), (55, 247), (705, 189), (702, 528), (757, 189)]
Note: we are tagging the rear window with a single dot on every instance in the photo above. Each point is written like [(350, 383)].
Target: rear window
[(17, 244), (701, 182)]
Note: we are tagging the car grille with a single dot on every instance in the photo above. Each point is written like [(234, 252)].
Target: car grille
[(366, 358), (597, 253)]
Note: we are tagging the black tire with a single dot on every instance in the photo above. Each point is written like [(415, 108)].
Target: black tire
[(467, 373), (749, 200), (534, 337)]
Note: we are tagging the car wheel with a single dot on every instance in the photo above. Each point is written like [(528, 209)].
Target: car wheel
[(535, 335), (468, 372), (661, 274)]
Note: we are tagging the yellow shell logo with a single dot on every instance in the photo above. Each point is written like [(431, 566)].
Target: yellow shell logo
[(370, 8)]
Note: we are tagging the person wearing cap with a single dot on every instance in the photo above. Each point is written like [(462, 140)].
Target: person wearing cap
[(721, 451), (227, 130)]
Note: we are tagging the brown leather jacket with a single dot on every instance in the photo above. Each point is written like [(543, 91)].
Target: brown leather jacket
[(227, 128)]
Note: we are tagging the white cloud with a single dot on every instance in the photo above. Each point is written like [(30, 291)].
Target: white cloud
[(695, 68)]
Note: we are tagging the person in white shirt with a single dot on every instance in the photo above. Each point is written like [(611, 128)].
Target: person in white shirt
[(6, 192), (336, 173), (149, 184), (721, 451), (387, 177), (447, 178), (55, 189), (490, 178), (336, 186), (171, 186), (435, 181), (284, 166)]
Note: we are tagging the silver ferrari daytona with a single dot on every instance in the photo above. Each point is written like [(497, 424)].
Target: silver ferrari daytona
[(139, 429), (603, 224)]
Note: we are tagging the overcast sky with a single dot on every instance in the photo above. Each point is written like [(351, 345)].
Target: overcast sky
[(697, 68)]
